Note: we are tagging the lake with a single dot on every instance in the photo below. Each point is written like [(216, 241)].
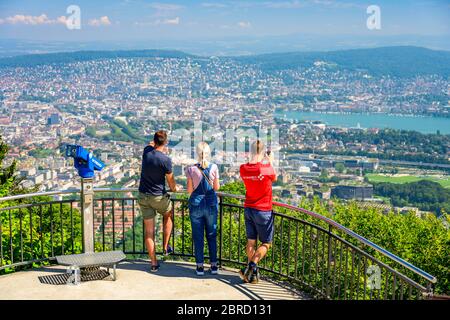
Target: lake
[(373, 120)]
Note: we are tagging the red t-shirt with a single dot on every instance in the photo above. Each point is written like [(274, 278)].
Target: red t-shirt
[(258, 179)]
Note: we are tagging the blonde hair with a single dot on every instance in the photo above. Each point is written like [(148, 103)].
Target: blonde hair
[(257, 148), (203, 154)]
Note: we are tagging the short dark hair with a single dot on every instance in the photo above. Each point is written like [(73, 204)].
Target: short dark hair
[(160, 138)]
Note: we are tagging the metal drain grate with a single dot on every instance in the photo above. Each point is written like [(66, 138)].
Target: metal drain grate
[(60, 279)]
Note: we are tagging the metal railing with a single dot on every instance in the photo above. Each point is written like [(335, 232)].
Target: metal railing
[(309, 250)]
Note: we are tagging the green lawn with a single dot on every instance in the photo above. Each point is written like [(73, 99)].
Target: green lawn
[(445, 182)]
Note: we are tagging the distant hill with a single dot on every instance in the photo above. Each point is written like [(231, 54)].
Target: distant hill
[(404, 61), (76, 56)]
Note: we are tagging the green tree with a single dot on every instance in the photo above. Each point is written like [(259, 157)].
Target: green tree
[(324, 174), (424, 194), (34, 229), (340, 167), (8, 182), (236, 187)]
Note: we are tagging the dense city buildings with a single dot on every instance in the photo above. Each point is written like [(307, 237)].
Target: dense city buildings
[(112, 106)]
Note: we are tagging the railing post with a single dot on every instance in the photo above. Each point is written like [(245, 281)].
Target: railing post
[(221, 229), (87, 208), (429, 292), (329, 261)]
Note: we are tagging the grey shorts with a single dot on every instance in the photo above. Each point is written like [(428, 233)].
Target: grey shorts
[(151, 204)]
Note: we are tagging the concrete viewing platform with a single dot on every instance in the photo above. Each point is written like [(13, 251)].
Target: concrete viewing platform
[(174, 281)]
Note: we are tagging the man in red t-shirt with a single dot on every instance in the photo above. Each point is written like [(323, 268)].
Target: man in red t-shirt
[(258, 175)]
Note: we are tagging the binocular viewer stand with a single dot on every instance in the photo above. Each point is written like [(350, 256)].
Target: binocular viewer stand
[(89, 260), (87, 208)]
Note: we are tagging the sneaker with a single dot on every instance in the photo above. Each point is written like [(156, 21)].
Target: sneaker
[(200, 271), (253, 276), (168, 251), (214, 269), (154, 268), (243, 274)]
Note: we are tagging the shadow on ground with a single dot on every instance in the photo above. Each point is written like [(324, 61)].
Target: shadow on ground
[(175, 280), (264, 290)]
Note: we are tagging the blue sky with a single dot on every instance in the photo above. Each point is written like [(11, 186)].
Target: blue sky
[(142, 20)]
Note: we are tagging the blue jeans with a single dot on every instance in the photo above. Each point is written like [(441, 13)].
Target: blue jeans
[(204, 218)]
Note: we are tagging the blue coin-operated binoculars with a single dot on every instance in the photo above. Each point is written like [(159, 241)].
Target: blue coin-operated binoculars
[(84, 161), (86, 164)]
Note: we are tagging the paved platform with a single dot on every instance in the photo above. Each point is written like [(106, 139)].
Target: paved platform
[(174, 281)]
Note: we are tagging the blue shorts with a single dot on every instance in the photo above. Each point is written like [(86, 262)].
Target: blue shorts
[(259, 224)]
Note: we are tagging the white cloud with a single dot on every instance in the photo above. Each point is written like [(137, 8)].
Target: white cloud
[(170, 21), (165, 6), (62, 20), (338, 4), (32, 20), (297, 4), (163, 10), (285, 4), (238, 25), (244, 24), (213, 5), (174, 21), (102, 21)]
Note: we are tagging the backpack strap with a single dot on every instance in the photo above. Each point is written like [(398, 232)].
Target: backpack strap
[(204, 175)]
